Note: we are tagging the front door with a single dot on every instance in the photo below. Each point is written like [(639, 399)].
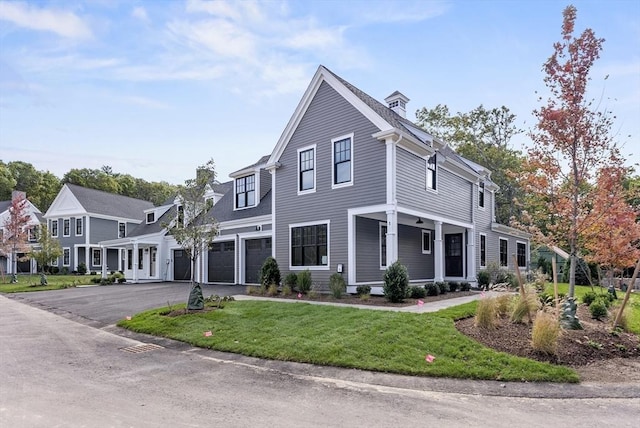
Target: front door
[(453, 255)]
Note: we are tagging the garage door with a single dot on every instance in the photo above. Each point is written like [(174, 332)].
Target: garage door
[(181, 266), (256, 251), (222, 262)]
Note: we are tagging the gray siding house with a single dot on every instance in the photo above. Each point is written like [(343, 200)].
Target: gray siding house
[(357, 186), (21, 264)]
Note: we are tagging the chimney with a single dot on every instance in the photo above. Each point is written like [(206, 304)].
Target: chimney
[(398, 103)]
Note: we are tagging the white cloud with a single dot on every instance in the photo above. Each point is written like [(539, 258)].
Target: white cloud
[(65, 24), (219, 36), (407, 11), (140, 13)]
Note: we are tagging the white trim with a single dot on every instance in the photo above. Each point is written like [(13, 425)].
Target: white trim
[(315, 169), (426, 232), (380, 226), (81, 228), (57, 222), (68, 250), (526, 254), (256, 187), (500, 239), (273, 212), (311, 223), (241, 250), (482, 207), (335, 185), (435, 174), (485, 250), (427, 216), (68, 221), (245, 222), (125, 230)]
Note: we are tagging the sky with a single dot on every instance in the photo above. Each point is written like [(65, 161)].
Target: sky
[(155, 89)]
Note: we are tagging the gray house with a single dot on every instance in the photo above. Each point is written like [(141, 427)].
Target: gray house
[(357, 186), (81, 218), (22, 264)]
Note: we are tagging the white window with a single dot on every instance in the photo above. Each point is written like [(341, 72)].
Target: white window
[(66, 256), (66, 227), (246, 191), (151, 217), (426, 242), (432, 173), (481, 194), (504, 252), (96, 259), (307, 170), (342, 160), (79, 226), (122, 230), (521, 254), (383, 245), (32, 233), (483, 250), (309, 245), (54, 228)]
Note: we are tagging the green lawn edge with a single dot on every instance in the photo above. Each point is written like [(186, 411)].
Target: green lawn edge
[(383, 341)]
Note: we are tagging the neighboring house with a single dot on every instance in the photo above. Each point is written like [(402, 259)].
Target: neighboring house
[(35, 220), (81, 218), (357, 186)]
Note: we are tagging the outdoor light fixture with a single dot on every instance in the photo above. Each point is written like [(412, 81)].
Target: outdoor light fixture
[(419, 221)]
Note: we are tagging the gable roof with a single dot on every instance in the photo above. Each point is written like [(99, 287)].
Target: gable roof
[(251, 168), (109, 204)]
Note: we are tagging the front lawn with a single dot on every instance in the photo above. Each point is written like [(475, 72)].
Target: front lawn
[(32, 282), (383, 341)]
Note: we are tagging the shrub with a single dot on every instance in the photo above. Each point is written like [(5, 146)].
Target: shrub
[(291, 280), (443, 287), (545, 333), (93, 272), (252, 290), (598, 309), (486, 313), (122, 280), (483, 278), (337, 285), (363, 289), (304, 281), (96, 280), (269, 272), (432, 289), (416, 292), (286, 290), (465, 286), (524, 305), (503, 304), (396, 282), (82, 268), (106, 281), (454, 286), (65, 270), (589, 297), (272, 290)]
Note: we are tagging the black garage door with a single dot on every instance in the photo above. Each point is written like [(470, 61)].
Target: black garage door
[(256, 251), (222, 262), (181, 266)]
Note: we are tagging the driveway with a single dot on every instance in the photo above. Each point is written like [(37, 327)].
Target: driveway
[(103, 305)]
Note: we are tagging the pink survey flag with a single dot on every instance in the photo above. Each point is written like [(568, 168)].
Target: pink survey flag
[(429, 358), (128, 318), (420, 303), (299, 295), (207, 333)]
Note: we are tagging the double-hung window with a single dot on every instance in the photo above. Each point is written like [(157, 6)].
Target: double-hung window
[(504, 244), (151, 217), (521, 254), (122, 230), (481, 194), (383, 245), (79, 226), (54, 228), (96, 257), (342, 161), (306, 170), (309, 245), (432, 172), (483, 250), (66, 227), (66, 256), (246, 191)]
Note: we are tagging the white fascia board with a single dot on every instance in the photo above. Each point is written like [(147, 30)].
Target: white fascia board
[(406, 141), (508, 230), (322, 75), (56, 209), (428, 216), (244, 222)]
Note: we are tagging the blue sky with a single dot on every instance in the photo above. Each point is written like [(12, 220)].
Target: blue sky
[(156, 88)]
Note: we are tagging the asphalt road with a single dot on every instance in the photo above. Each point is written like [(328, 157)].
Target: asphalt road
[(58, 372)]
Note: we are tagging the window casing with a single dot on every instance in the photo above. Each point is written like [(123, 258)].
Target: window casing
[(122, 230), (151, 217), (481, 194), (129, 259), (383, 245), (79, 226), (32, 234), (180, 217), (66, 256), (306, 170), (342, 160), (309, 245), (54, 228), (66, 227), (521, 254), (483, 250), (432, 173), (504, 252), (426, 242), (140, 258), (96, 257), (246, 191)]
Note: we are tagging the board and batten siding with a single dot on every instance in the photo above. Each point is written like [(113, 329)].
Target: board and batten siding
[(453, 196), (328, 116)]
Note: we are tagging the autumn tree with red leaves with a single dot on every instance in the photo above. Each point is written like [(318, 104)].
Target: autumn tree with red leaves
[(572, 146), (15, 238)]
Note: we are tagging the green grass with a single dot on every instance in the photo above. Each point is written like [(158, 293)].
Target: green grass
[(633, 311), (385, 341), (32, 283)]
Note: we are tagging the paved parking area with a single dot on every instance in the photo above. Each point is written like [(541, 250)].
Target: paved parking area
[(107, 304)]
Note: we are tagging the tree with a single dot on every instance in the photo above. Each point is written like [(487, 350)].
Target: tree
[(482, 136), (15, 239), (193, 229), (48, 249), (571, 144)]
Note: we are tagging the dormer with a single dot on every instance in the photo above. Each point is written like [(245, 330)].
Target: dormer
[(250, 184), (398, 103)]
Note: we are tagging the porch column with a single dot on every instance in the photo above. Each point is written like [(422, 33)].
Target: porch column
[(87, 255), (135, 262), (438, 260), (392, 236), (471, 255), (103, 259)]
